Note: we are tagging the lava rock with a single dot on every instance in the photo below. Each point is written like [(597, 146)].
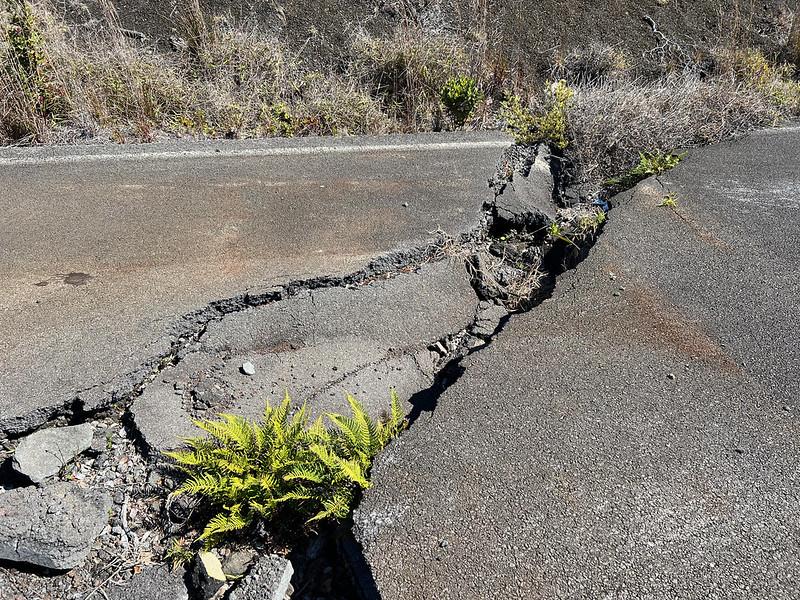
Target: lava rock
[(42, 454), (237, 562), (156, 583), (52, 527), (267, 580), (207, 395)]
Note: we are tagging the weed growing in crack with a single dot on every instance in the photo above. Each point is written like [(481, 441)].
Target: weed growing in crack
[(652, 163), (669, 200), (179, 553), (250, 471)]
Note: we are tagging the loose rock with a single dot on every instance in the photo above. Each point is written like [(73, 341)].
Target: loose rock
[(156, 583), (248, 368), (42, 454)]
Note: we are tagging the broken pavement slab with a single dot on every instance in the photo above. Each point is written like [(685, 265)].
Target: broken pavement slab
[(126, 241), (44, 453), (636, 434), (52, 526), (364, 339), (526, 201)]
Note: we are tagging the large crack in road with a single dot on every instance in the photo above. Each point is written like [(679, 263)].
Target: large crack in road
[(403, 322)]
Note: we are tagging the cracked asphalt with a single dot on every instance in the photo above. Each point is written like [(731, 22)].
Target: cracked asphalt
[(105, 250), (636, 435)]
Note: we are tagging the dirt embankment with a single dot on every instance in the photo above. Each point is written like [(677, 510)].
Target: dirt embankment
[(524, 34)]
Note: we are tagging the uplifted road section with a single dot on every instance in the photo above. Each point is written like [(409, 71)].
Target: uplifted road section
[(106, 253), (636, 435)]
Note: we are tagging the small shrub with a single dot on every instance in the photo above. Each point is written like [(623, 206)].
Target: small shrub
[(460, 96), (550, 126), (252, 470)]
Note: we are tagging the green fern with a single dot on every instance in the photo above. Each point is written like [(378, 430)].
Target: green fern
[(251, 470)]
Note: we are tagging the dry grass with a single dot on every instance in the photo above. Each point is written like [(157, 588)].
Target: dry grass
[(407, 73), (613, 122), (61, 83), (220, 82)]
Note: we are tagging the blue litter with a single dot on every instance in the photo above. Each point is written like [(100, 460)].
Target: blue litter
[(601, 203)]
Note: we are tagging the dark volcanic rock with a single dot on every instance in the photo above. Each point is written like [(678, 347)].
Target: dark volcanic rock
[(268, 580), (156, 583)]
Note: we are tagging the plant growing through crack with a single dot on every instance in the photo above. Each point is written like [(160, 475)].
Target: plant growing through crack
[(179, 553), (253, 470), (652, 163), (669, 200)]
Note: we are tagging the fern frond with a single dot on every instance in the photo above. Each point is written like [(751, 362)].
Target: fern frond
[(203, 483), (392, 428), (238, 433), (369, 439), (232, 520), (306, 473), (338, 506), (355, 436), (341, 468)]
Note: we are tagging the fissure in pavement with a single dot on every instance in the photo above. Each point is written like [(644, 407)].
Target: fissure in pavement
[(417, 313)]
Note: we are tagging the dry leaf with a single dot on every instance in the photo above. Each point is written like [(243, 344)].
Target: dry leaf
[(212, 565)]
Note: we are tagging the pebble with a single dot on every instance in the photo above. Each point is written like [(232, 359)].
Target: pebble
[(248, 368), (612, 276), (405, 204), (615, 294), (671, 376)]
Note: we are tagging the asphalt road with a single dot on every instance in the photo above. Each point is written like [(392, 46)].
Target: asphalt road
[(104, 249), (636, 435)]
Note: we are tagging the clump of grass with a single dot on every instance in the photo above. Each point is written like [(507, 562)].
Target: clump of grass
[(407, 73), (612, 123), (652, 163)]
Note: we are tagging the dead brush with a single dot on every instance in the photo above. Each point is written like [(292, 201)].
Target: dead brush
[(612, 122), (407, 72)]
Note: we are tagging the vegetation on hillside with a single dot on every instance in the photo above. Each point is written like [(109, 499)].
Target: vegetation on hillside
[(598, 106)]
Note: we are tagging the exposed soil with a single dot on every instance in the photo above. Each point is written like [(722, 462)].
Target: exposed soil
[(518, 34)]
